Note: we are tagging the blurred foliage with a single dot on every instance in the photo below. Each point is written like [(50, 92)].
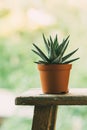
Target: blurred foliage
[(72, 118), (16, 72), (21, 24), (4, 13), (17, 123)]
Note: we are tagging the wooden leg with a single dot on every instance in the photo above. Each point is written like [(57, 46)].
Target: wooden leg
[(52, 122), (44, 118)]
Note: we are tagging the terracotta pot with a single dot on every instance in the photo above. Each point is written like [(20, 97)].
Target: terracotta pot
[(54, 78)]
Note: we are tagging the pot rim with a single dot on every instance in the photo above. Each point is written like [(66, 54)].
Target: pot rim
[(54, 66)]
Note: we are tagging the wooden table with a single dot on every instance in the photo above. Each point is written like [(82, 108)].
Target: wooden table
[(45, 111)]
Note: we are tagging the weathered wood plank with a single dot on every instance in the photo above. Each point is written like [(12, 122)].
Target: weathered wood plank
[(76, 96), (44, 118), (53, 117)]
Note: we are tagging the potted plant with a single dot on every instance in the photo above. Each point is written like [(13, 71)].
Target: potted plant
[(54, 67)]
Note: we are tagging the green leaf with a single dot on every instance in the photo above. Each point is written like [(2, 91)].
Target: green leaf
[(51, 41), (69, 55), (41, 62), (67, 62), (46, 44), (55, 51), (64, 49), (56, 44), (61, 46), (57, 60), (38, 54), (56, 39), (41, 54), (51, 52), (65, 40)]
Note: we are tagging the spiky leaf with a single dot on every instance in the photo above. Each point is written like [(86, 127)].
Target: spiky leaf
[(69, 61), (55, 51), (62, 45), (46, 43), (41, 54), (69, 55)]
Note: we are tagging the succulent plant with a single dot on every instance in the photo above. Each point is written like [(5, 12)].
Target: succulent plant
[(55, 51)]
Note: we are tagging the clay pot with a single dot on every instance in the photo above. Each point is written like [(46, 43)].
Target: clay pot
[(54, 78)]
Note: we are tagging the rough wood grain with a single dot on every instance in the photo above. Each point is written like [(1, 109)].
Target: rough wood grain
[(44, 118), (76, 96), (53, 117)]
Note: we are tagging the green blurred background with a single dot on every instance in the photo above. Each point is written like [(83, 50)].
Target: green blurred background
[(22, 23)]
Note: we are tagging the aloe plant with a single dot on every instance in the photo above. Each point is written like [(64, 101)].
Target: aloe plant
[(55, 51)]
